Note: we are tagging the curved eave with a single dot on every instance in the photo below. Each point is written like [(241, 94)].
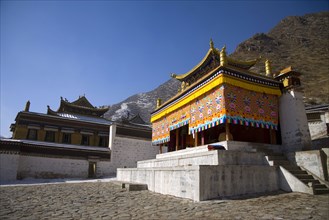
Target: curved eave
[(245, 65), (50, 111), (205, 58), (238, 69), (98, 111), (242, 64), (82, 101)]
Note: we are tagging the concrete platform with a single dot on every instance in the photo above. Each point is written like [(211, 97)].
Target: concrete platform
[(204, 182), (213, 157), (228, 145), (201, 174)]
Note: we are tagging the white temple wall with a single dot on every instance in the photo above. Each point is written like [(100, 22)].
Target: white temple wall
[(293, 121), (105, 169), (127, 151), (48, 167), (8, 166)]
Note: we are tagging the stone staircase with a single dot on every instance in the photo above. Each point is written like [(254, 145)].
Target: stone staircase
[(278, 159)]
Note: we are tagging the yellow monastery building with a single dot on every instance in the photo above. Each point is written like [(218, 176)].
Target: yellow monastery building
[(230, 132), (221, 99)]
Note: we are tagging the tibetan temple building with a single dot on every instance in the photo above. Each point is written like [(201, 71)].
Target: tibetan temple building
[(221, 99), (244, 133), (75, 141), (77, 123)]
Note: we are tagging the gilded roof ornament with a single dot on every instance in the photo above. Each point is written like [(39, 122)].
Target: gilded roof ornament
[(159, 102), (173, 75), (211, 44), (223, 58), (268, 68)]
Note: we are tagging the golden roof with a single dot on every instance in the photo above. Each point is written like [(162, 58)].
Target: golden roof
[(215, 54), (81, 106)]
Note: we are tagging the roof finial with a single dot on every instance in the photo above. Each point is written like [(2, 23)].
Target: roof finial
[(159, 102), (211, 44), (27, 106), (268, 68), (223, 59)]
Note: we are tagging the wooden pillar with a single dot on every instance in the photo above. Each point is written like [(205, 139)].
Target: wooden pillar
[(272, 136), (177, 139), (227, 132), (95, 140), (160, 150), (195, 139), (202, 137)]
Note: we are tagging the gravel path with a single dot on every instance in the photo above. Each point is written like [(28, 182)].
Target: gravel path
[(106, 200)]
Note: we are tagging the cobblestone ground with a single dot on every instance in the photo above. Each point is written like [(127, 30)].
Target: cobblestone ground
[(106, 200)]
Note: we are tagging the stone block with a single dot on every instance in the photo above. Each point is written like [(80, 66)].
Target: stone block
[(134, 186)]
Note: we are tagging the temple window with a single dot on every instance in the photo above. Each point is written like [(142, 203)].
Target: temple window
[(50, 136), (66, 138), (32, 134), (103, 141), (314, 117), (85, 140)]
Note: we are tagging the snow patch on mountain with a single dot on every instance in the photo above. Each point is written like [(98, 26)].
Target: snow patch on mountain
[(123, 111), (142, 103)]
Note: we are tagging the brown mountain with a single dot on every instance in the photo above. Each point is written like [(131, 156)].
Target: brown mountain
[(298, 41)]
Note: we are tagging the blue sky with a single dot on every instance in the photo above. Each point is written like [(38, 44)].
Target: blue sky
[(110, 50)]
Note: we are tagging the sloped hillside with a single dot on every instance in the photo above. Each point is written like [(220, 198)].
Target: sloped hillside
[(299, 41), (143, 103)]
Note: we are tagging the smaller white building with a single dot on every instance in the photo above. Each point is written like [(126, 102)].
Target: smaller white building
[(318, 120)]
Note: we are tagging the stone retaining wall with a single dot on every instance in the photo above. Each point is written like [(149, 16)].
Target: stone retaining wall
[(204, 182)]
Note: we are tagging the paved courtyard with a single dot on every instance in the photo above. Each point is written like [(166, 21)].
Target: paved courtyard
[(106, 200)]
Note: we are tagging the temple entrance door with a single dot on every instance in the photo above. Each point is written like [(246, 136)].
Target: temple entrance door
[(92, 170)]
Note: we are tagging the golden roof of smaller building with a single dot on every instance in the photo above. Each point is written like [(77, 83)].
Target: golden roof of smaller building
[(80, 106)]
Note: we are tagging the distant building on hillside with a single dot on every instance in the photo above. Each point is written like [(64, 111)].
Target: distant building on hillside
[(73, 142), (318, 120)]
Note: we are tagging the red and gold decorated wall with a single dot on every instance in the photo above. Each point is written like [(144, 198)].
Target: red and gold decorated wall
[(207, 110), (223, 103), (251, 108), (160, 131)]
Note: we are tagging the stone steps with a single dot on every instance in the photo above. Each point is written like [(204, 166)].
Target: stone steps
[(296, 172), (320, 186), (310, 181), (291, 168), (279, 162), (318, 191), (185, 152), (304, 176), (278, 159)]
